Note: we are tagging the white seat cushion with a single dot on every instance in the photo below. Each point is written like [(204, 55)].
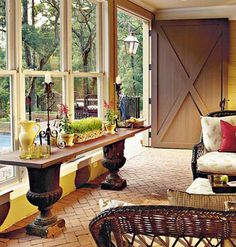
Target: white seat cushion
[(217, 162), (211, 131), (200, 186)]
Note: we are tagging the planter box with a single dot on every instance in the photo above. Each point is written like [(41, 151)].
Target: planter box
[(78, 137)]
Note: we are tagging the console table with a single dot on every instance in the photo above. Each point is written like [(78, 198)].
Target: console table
[(44, 175)]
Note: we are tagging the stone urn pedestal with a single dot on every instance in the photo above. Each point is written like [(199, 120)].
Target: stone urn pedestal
[(4, 205)]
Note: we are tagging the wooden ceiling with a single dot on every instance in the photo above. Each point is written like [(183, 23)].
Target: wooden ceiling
[(155, 5)]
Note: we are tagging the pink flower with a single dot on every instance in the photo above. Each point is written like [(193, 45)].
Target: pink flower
[(105, 104), (108, 106), (63, 109)]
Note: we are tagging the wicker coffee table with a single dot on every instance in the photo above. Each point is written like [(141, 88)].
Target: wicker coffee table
[(219, 187)]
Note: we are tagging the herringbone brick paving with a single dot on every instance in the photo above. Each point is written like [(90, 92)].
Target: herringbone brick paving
[(150, 171)]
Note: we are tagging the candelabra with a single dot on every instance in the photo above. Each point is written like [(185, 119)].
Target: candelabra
[(49, 133)]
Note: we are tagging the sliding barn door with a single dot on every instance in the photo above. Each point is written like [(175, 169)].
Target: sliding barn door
[(189, 78)]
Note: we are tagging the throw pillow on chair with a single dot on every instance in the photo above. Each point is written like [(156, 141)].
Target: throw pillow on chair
[(228, 142)]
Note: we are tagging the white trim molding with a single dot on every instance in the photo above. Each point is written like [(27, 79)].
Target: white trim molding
[(145, 5), (198, 13)]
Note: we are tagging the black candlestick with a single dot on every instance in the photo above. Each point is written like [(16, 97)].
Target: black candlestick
[(49, 133), (29, 103)]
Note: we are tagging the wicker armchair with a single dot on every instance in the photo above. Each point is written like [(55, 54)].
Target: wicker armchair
[(124, 226), (198, 149)]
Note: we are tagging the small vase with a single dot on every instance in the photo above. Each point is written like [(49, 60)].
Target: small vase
[(110, 128), (68, 139)]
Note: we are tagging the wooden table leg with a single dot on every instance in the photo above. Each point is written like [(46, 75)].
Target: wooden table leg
[(44, 192), (113, 160)]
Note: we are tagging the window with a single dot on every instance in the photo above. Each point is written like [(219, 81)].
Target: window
[(41, 34), (42, 52), (6, 134), (85, 58), (5, 116), (84, 19), (130, 68), (85, 97), (3, 35), (36, 102)]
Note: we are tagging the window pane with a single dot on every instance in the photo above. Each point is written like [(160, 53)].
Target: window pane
[(3, 35), (6, 172), (130, 68), (41, 34), (85, 97), (36, 101), (5, 119), (83, 35)]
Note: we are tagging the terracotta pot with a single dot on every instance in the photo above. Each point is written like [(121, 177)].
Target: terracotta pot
[(110, 128), (68, 139)]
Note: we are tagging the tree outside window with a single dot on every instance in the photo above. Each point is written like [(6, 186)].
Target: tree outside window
[(3, 35)]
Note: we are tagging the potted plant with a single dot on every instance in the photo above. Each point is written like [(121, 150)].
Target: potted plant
[(110, 118), (66, 129), (87, 129)]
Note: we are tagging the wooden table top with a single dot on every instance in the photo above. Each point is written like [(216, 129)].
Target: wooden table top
[(68, 153)]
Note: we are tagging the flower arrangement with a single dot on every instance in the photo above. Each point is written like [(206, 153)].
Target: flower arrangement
[(110, 114), (65, 124)]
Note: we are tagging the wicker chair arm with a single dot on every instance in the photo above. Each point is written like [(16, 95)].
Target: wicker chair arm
[(197, 151), (161, 221)]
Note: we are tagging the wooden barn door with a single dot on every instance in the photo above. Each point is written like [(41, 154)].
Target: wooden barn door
[(189, 78)]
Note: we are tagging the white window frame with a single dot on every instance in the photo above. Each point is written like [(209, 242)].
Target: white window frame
[(14, 65), (13, 112), (67, 64)]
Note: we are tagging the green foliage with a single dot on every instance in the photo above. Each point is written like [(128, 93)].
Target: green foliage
[(41, 46), (66, 126), (85, 86), (3, 34), (86, 124), (40, 34), (130, 78), (83, 35), (110, 116), (4, 97)]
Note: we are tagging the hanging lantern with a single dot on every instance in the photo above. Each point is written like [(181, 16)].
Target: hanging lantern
[(131, 44)]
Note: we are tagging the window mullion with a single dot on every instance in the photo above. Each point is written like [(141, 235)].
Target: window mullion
[(99, 50), (66, 64)]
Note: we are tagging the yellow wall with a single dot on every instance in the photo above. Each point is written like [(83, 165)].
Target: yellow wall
[(20, 208), (232, 66)]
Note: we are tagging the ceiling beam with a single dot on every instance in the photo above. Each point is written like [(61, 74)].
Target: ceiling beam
[(198, 13)]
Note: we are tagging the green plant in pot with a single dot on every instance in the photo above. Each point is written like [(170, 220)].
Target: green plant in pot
[(87, 129), (66, 129), (110, 118)]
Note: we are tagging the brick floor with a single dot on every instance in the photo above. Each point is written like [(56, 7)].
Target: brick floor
[(150, 171)]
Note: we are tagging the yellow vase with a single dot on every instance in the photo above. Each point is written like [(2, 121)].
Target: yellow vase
[(68, 139), (28, 133), (110, 128)]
